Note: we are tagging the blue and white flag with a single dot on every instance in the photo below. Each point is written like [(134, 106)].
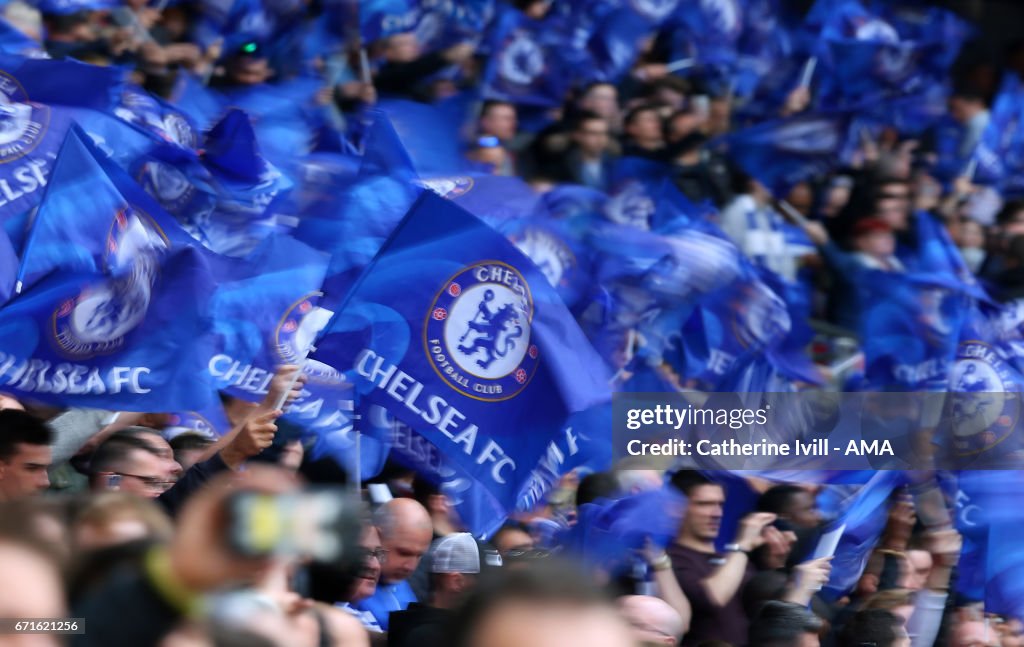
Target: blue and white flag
[(93, 217), (785, 152), (863, 519), (528, 63), (479, 349), (127, 342), (998, 158)]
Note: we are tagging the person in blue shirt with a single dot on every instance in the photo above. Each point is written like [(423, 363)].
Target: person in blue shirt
[(405, 533)]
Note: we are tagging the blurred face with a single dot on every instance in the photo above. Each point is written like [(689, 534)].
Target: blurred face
[(973, 634), (802, 511), (604, 100), (703, 516), (405, 547), (34, 591), (402, 48), (592, 137), (645, 126), (893, 211), (24, 473), (876, 243), (246, 70), (918, 566), (719, 115), (513, 540), (518, 623), (971, 234), (291, 455), (961, 109), (1011, 634), (683, 124), (162, 449), (499, 121), (143, 474), (366, 583)]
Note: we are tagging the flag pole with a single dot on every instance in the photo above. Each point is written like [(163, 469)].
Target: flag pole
[(808, 72), (681, 64)]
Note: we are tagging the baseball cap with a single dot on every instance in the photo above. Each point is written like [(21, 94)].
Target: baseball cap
[(457, 553)]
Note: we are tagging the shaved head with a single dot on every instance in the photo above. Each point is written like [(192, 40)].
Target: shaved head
[(406, 532)]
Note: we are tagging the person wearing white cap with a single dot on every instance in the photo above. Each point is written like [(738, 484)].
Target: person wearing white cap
[(454, 568)]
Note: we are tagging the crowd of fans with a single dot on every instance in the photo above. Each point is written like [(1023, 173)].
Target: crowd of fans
[(107, 517), (144, 548)]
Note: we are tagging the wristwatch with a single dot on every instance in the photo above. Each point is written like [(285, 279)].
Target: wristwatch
[(735, 548), (663, 563)]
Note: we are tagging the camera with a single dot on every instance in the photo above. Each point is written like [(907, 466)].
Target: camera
[(323, 525)]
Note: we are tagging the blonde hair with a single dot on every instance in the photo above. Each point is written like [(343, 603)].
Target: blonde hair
[(108, 507)]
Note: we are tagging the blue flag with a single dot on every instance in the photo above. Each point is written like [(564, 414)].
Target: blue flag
[(354, 218), (528, 61), (785, 152), (8, 267), (490, 350), (211, 422), (126, 342), (864, 518), (910, 327), (431, 140), (997, 158), (121, 221)]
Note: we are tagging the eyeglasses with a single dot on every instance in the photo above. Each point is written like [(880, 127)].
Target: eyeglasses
[(533, 553), (152, 483), (381, 554)]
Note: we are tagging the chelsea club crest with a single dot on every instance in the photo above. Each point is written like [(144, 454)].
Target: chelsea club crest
[(477, 332), (98, 319), (296, 332), (984, 406), (22, 124), (448, 187)]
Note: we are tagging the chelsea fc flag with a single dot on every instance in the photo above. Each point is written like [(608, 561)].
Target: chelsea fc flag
[(457, 334)]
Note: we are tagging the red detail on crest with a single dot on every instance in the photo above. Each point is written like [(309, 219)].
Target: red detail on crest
[(520, 376), (455, 289), (111, 245), (66, 308), (440, 314), (1005, 421), (305, 307), (290, 326), (533, 351), (122, 219)]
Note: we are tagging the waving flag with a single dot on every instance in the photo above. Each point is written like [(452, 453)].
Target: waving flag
[(127, 342), (528, 62), (222, 197), (490, 351), (354, 219), (93, 218), (998, 158), (432, 141), (910, 327), (785, 152), (862, 520)]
